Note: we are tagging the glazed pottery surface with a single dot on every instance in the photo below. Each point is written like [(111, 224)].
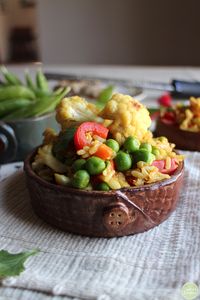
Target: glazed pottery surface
[(185, 140), (103, 214), (19, 137)]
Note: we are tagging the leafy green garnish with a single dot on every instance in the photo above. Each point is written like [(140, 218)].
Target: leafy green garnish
[(13, 264), (61, 145), (153, 110), (104, 96)]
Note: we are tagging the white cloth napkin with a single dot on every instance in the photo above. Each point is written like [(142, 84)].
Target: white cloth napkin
[(152, 265)]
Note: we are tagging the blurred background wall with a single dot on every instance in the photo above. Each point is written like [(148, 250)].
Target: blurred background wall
[(18, 30), (137, 32)]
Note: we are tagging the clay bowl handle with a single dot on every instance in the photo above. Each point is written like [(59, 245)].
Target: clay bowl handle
[(8, 143), (116, 216)]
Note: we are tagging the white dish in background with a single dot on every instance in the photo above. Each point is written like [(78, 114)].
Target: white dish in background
[(90, 89)]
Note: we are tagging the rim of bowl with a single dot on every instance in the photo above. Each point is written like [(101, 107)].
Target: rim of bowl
[(28, 170), (33, 119)]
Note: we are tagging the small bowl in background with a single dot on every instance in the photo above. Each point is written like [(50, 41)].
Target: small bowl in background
[(19, 137), (185, 140)]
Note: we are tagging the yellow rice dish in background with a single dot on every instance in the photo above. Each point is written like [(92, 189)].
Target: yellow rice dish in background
[(188, 117)]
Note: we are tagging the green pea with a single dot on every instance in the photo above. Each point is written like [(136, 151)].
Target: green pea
[(155, 151), (95, 165), (146, 146), (78, 164), (131, 144), (81, 179), (123, 161), (152, 158), (103, 186), (113, 145), (143, 155)]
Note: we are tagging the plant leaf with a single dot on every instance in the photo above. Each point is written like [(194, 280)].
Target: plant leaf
[(104, 96), (13, 264), (153, 110)]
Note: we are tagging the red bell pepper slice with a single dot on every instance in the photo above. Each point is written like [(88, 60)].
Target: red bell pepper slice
[(93, 128), (169, 118), (161, 165)]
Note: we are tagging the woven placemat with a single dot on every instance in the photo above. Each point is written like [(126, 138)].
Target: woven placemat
[(152, 265)]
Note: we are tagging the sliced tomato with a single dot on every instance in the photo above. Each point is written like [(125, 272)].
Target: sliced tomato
[(161, 165), (104, 152), (169, 118), (93, 128), (165, 100)]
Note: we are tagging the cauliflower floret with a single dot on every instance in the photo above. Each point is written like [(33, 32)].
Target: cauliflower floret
[(130, 117), (76, 109), (44, 157), (50, 136)]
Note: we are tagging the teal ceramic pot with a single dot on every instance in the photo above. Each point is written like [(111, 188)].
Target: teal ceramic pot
[(19, 137)]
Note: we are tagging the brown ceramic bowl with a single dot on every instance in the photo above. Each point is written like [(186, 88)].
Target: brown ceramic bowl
[(183, 139), (103, 214)]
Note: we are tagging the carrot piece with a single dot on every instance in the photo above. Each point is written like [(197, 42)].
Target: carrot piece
[(104, 152)]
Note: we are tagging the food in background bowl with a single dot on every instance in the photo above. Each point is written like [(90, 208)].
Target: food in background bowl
[(97, 89), (109, 154), (85, 88), (181, 124), (26, 109)]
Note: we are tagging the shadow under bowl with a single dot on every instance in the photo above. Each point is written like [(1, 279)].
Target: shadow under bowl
[(185, 140), (103, 214)]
